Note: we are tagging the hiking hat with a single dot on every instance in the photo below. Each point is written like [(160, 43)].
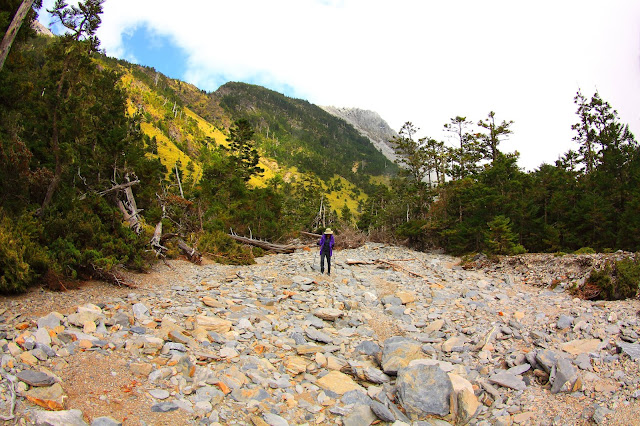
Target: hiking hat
[(328, 231)]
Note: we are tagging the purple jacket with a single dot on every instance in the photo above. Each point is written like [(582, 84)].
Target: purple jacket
[(331, 243)]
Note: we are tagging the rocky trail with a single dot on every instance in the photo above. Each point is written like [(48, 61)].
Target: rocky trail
[(393, 336)]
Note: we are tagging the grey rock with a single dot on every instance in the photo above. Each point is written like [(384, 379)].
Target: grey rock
[(565, 376), (508, 380), (36, 378), (395, 311), (105, 421), (565, 321), (547, 359), (120, 318), (315, 321), (399, 415), (42, 336), (57, 418), (299, 338), (375, 376), (398, 352), (50, 321), (424, 390), (39, 353), (159, 393), (519, 369), (583, 362), (206, 393), (368, 123), (600, 414), (216, 338), (392, 300), (361, 415), (140, 310), (382, 412), (298, 279), (164, 407), (274, 420), (173, 346), (368, 347), (356, 397), (318, 335), (630, 349)]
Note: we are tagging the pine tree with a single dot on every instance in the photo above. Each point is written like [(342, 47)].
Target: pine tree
[(243, 150)]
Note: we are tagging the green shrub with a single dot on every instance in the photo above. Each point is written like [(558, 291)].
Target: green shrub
[(225, 250), (585, 250), (616, 281), (500, 239), (91, 235), (22, 260), (627, 277)]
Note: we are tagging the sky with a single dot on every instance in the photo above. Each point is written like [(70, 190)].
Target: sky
[(408, 60)]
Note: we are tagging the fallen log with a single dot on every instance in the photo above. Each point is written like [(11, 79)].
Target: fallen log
[(358, 262), (111, 276), (394, 266), (400, 268), (192, 254), (119, 187), (278, 248), (310, 234)]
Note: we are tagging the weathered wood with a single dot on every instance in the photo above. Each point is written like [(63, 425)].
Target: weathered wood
[(310, 234), (13, 29), (135, 222), (192, 254), (395, 267), (112, 276), (119, 187), (156, 240), (400, 268), (358, 262), (278, 248), (12, 389)]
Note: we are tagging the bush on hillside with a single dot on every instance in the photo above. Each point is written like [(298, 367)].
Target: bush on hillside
[(500, 238), (22, 260), (90, 236), (615, 281), (218, 246)]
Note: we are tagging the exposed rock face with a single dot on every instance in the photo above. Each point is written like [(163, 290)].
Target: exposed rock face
[(41, 29), (369, 124)]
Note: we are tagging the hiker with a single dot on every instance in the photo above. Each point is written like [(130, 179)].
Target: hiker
[(326, 250)]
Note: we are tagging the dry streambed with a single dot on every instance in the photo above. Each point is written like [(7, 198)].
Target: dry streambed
[(393, 336)]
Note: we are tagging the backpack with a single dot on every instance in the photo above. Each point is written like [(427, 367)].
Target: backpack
[(326, 246)]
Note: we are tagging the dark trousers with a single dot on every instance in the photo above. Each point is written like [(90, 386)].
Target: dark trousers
[(324, 255)]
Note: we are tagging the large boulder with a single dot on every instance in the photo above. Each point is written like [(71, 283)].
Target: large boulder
[(398, 352), (424, 390)]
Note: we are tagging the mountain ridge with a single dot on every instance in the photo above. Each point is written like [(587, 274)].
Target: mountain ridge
[(370, 124)]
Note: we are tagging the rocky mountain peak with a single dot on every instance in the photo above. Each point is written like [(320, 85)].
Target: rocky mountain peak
[(41, 29), (370, 125)]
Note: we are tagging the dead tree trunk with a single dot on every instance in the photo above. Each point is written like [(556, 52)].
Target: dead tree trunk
[(14, 27), (156, 240), (192, 254), (129, 208), (278, 248)]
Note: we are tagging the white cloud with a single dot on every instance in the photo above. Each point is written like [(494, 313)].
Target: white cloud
[(416, 61)]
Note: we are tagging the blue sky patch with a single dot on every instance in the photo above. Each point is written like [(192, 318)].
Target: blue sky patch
[(147, 47)]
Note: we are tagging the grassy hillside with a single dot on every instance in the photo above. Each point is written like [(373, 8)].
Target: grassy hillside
[(293, 136), (298, 133)]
